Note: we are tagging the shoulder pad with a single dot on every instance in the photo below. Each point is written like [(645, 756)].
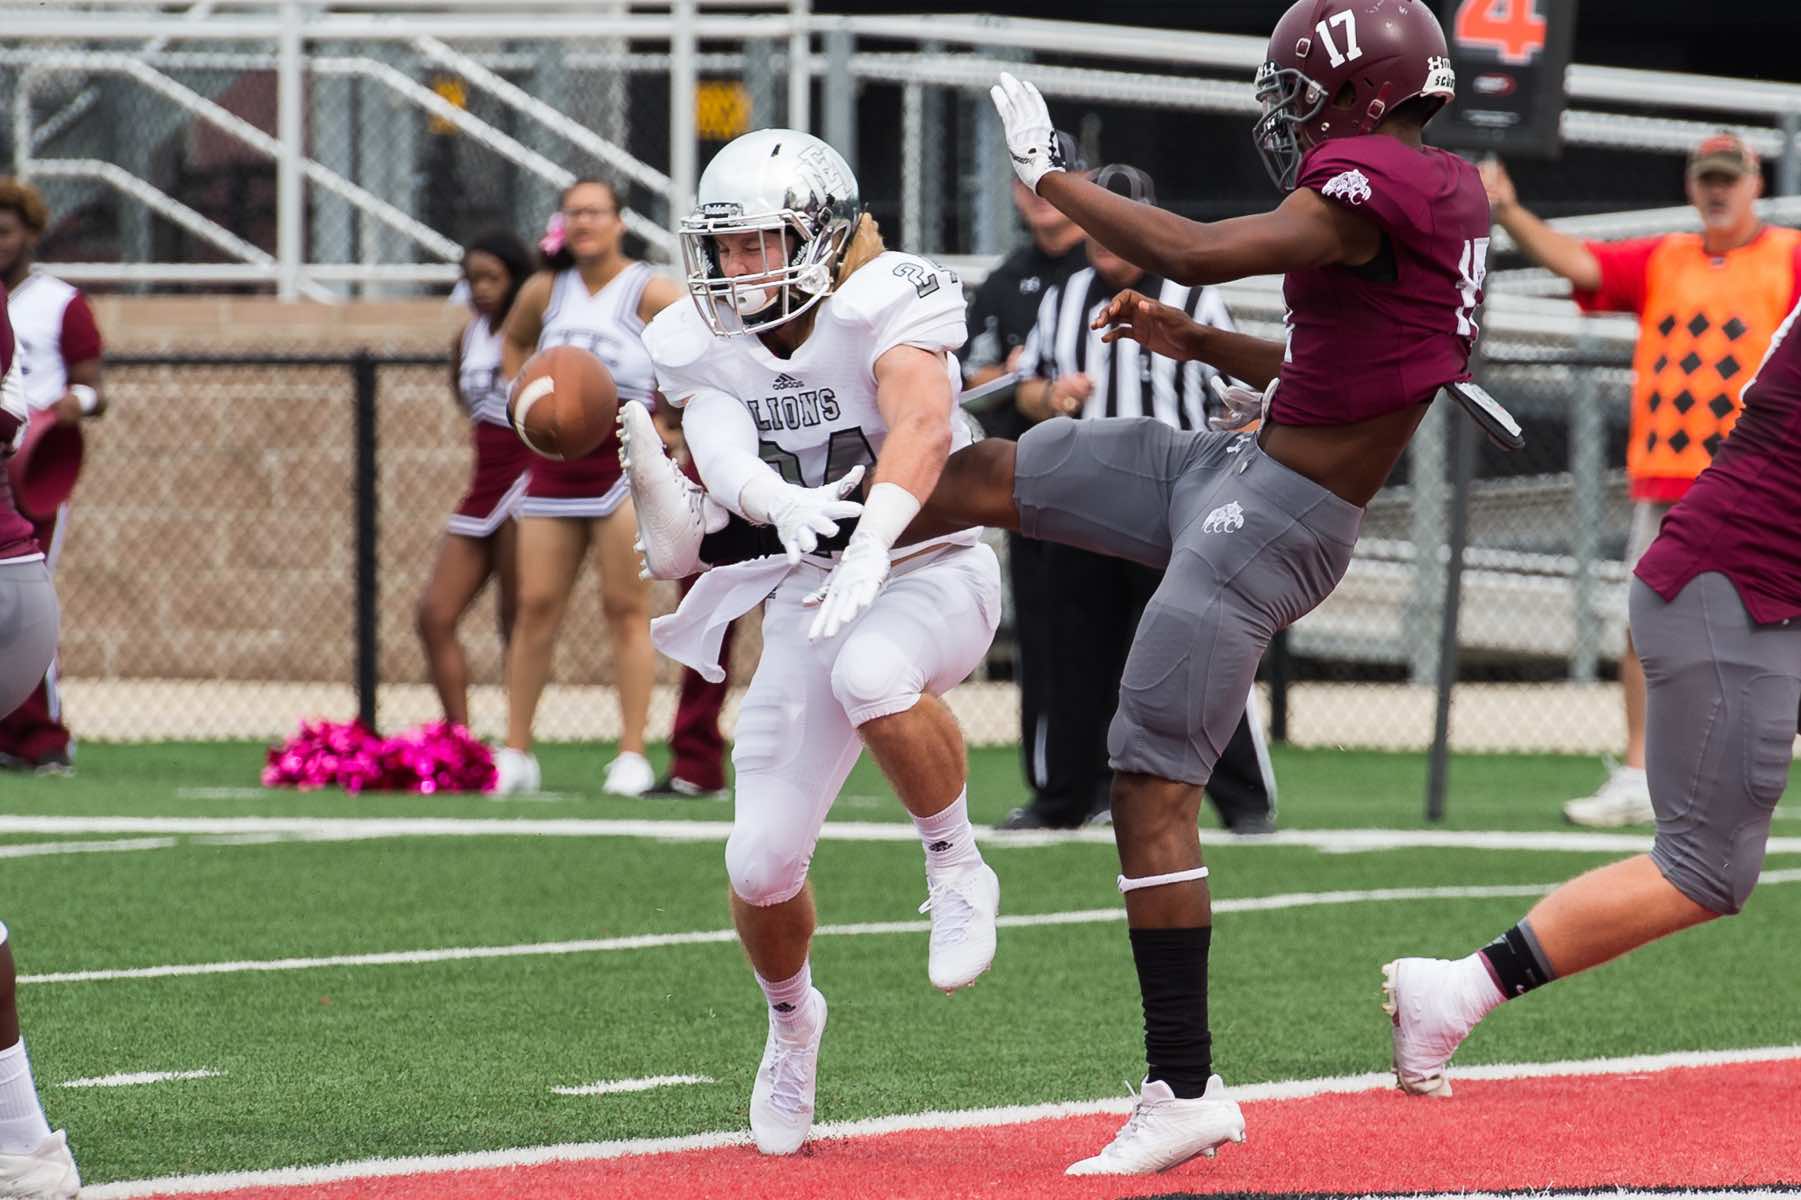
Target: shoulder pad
[(677, 337)]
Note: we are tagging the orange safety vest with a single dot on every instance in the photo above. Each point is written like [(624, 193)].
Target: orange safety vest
[(1707, 322)]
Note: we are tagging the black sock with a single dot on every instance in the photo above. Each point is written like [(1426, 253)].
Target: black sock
[(1172, 976), (1517, 962), (739, 541)]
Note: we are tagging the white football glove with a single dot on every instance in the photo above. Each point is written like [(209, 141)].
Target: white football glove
[(1244, 406), (17, 413), (851, 587), (804, 516), (1031, 140)]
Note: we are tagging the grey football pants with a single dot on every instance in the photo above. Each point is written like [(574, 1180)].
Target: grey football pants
[(1247, 547)]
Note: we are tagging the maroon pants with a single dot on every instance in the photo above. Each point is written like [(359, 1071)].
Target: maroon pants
[(696, 747), (34, 731)]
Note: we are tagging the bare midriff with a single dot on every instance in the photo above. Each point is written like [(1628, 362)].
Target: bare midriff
[(1350, 461)]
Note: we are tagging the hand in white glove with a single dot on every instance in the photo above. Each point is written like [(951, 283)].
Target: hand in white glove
[(1031, 140), (851, 587), (804, 516), (1244, 406)]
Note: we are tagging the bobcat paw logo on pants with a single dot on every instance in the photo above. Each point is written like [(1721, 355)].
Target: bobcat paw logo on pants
[(1224, 519), (1353, 187)]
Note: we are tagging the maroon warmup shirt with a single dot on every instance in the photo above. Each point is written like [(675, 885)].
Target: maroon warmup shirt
[(15, 531), (1742, 517), (1364, 341)]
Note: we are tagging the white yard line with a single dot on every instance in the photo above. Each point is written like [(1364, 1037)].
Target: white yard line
[(139, 1077), (653, 941), (354, 828), (968, 1119), (611, 1087), (37, 849)]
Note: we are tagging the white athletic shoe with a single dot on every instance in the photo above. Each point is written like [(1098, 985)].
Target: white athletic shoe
[(963, 902), (1164, 1132), (670, 507), (47, 1173), (781, 1101), (1433, 1004), (629, 775), (1625, 799), (514, 771)]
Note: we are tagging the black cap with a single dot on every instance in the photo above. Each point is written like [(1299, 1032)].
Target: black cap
[(1128, 181)]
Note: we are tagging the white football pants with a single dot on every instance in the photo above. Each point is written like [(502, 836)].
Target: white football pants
[(797, 728)]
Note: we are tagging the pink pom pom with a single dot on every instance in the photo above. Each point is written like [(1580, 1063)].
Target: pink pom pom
[(438, 757)]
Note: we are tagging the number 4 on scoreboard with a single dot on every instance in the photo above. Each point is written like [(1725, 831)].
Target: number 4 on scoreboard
[(1511, 28)]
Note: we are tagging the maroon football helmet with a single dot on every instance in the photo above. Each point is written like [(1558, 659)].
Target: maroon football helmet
[(1336, 67)]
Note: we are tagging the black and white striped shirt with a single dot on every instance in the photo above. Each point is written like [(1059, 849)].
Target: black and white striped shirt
[(1128, 380)]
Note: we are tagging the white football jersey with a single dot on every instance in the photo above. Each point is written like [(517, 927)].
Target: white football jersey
[(479, 381), (816, 412), (606, 324)]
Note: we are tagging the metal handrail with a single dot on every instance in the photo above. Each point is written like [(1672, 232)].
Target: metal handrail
[(213, 114)]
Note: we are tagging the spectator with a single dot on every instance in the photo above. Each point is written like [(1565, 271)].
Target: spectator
[(591, 295), (1708, 305), (1071, 372), (59, 352), (482, 536), (1001, 316)]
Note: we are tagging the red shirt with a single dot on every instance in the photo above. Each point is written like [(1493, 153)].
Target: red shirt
[(1742, 517)]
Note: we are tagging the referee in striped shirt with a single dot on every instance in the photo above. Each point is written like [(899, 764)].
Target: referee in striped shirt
[(1066, 370)]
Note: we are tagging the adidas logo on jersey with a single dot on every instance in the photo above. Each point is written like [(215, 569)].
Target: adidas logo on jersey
[(1226, 518), (787, 383)]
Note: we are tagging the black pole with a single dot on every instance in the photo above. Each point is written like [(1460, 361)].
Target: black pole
[(1281, 670), (1463, 468), (363, 366)]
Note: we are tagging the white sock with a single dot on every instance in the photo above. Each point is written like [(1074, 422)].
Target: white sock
[(22, 1124), (788, 997), (949, 838)]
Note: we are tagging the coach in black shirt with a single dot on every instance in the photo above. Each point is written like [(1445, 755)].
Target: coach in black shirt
[(1001, 314), (1068, 370)]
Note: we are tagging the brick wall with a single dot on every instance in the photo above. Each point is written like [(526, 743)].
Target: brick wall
[(212, 535)]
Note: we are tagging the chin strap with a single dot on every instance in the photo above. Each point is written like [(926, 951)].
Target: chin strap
[(1151, 881)]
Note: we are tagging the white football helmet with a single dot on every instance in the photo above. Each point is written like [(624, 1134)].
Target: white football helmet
[(800, 195)]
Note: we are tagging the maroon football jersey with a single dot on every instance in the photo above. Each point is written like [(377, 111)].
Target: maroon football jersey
[(1742, 517), (1364, 341)]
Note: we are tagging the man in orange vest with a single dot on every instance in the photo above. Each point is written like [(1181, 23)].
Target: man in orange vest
[(1708, 305)]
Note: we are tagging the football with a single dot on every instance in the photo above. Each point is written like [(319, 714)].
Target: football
[(563, 403)]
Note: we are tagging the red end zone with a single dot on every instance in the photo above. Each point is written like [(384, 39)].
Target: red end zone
[(1702, 1127)]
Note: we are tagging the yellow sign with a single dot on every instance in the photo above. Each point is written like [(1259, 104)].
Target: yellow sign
[(456, 92), (721, 109)]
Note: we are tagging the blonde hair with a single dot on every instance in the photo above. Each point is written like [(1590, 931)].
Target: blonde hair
[(865, 245)]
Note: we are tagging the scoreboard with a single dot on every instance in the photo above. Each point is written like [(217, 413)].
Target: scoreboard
[(1510, 57)]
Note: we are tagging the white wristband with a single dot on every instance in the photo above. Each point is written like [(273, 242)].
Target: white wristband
[(85, 396), (887, 511)]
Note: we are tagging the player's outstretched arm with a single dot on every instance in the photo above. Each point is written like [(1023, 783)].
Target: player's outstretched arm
[(1167, 330), (1304, 231)]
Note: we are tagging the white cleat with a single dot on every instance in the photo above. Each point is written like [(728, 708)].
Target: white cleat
[(1625, 799), (1164, 1132), (629, 775), (47, 1173), (515, 771), (1422, 997), (781, 1102), (670, 507), (963, 902)]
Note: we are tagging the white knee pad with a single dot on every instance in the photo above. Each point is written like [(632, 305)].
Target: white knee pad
[(873, 677), (764, 870)]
